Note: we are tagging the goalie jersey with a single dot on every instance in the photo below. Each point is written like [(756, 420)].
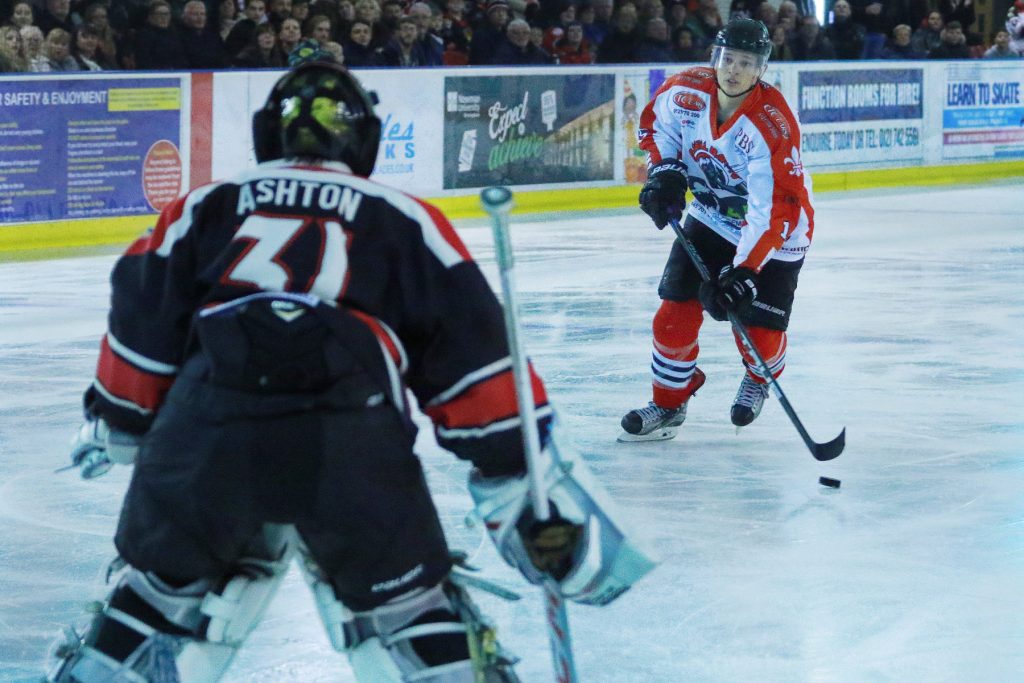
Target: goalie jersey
[(748, 181), (385, 259)]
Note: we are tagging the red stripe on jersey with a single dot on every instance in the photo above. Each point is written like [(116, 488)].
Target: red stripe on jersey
[(381, 334), (153, 239), (486, 402), (127, 382), (445, 228), (789, 196), (646, 139)]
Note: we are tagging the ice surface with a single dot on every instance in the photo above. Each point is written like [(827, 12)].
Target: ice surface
[(908, 329)]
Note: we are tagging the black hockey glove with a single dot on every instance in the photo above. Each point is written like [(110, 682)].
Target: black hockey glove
[(663, 196), (734, 292)]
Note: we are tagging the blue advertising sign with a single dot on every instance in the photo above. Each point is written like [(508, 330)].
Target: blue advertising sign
[(983, 112), (866, 95), (78, 148)]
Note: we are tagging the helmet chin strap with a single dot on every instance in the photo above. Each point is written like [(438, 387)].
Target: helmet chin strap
[(722, 90)]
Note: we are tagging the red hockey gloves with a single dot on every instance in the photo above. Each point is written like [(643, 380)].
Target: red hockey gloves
[(734, 292), (663, 196)]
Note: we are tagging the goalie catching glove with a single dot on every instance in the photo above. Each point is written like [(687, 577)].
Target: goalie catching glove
[(97, 447), (585, 546)]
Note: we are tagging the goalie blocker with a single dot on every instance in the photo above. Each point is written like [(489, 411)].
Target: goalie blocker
[(586, 545)]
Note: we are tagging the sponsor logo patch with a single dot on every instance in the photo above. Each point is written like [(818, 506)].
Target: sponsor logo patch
[(778, 119), (689, 101)]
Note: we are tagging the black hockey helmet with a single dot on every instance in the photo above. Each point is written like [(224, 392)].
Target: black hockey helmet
[(318, 110), (748, 35)]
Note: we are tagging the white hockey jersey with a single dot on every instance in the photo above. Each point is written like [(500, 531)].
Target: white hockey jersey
[(746, 176)]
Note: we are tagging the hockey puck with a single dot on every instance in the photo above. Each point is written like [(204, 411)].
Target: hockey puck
[(827, 481)]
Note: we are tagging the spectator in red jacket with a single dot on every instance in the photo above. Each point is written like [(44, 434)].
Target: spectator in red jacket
[(573, 47)]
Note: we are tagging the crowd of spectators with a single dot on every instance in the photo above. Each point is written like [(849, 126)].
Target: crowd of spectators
[(94, 35)]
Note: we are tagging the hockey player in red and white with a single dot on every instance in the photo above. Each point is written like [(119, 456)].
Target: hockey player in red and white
[(734, 142), (261, 344)]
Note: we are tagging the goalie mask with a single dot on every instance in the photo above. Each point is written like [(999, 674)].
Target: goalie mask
[(318, 111)]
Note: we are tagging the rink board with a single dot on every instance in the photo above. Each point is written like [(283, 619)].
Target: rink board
[(90, 159)]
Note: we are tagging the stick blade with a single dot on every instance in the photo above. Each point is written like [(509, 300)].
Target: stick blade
[(831, 449)]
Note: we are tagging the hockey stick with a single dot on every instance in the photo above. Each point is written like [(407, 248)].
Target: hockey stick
[(820, 451), (497, 202)]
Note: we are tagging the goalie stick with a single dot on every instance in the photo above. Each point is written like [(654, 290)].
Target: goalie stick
[(497, 202), (821, 451)]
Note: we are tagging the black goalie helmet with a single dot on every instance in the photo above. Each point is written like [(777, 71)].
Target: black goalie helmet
[(318, 110), (747, 35)]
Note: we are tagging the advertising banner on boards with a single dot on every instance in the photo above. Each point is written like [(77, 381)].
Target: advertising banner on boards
[(409, 154), (531, 130), (87, 148), (982, 111), (860, 116)]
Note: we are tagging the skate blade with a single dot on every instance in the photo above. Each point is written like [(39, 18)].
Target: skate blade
[(663, 434)]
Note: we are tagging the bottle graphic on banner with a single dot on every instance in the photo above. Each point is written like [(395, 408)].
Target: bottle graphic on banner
[(548, 108)]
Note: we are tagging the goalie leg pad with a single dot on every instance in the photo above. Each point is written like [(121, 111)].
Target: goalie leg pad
[(147, 630), (434, 635), (607, 557), (151, 630)]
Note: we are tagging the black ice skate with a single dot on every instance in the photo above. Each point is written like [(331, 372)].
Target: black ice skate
[(655, 423), (748, 402)]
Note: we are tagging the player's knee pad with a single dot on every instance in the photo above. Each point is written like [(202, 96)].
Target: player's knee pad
[(605, 558), (149, 629), (435, 635)]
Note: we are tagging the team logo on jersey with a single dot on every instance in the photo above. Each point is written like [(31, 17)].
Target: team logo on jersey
[(718, 186), (778, 119), (714, 164), (796, 162), (689, 101)]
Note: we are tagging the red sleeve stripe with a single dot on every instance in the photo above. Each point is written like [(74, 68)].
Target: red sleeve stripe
[(124, 383), (486, 402), (470, 379), (493, 428)]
